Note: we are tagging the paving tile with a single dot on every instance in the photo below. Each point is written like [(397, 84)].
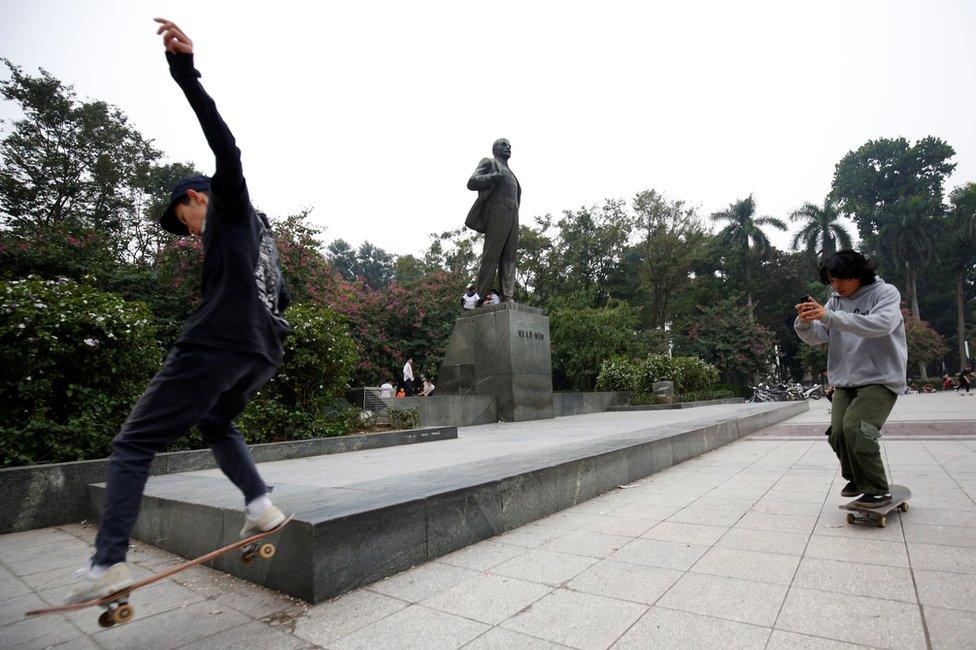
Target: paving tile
[(422, 582), (705, 516), (546, 567), (728, 598), (488, 598), (482, 556), (645, 511), (576, 619), (653, 552), (840, 616), (251, 635), (625, 581), (748, 565), (766, 541), (81, 643), (784, 523), (342, 616), (38, 632), (950, 629), (945, 535), (782, 640), (667, 628), (941, 517), (946, 590), (257, 602), (155, 599), (833, 523), (531, 535), (674, 531), (413, 627), (614, 525), (501, 639), (775, 506), (933, 557), (893, 583), (12, 609), (864, 551), (173, 628), (12, 588), (583, 542)]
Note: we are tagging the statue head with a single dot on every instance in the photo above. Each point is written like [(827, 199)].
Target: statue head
[(501, 149)]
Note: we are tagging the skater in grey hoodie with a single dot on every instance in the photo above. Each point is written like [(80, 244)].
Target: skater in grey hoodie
[(867, 359)]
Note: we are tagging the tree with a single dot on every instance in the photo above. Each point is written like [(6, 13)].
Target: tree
[(374, 265), (821, 235), (583, 336), (591, 243), (673, 238), (870, 182), (70, 163), (724, 334), (924, 343), (909, 239), (960, 252), (343, 259), (745, 238)]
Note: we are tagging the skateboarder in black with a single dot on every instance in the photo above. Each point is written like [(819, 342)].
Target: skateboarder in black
[(230, 346), (867, 359)]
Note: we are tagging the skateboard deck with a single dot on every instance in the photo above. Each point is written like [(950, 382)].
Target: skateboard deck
[(878, 516), (117, 607)]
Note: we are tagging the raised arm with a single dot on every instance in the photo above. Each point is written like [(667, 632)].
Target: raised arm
[(227, 184), (884, 318), (484, 176)]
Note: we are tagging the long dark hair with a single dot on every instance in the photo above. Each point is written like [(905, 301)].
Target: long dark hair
[(845, 265)]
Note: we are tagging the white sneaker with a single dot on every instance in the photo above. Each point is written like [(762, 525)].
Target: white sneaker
[(115, 578), (270, 518)]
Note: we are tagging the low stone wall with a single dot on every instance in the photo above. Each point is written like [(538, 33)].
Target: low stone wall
[(676, 405), (37, 496), (449, 410), (572, 403)]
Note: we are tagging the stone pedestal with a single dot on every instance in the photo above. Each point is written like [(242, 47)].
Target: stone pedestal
[(502, 351)]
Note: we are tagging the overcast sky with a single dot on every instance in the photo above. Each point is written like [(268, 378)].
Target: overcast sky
[(374, 114)]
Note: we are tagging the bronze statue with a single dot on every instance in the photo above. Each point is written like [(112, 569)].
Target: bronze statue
[(495, 213)]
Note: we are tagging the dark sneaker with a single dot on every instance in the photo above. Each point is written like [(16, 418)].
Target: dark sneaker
[(873, 500), (850, 490)]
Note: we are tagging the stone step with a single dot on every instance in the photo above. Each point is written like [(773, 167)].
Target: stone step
[(371, 514)]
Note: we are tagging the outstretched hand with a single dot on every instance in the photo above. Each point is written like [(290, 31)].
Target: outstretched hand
[(175, 41), (810, 310)]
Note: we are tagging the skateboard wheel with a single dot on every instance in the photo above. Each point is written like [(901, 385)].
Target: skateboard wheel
[(903, 506), (851, 518), (105, 619), (883, 521), (123, 614), (247, 558), (266, 551)]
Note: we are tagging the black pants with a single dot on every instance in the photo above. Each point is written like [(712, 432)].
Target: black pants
[(199, 386), (408, 387)]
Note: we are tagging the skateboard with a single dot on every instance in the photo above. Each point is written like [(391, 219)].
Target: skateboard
[(117, 608), (878, 516)]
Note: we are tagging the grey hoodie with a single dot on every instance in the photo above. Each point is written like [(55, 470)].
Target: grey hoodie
[(865, 335)]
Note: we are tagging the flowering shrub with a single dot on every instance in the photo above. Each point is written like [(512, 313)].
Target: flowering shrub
[(74, 361), (318, 363)]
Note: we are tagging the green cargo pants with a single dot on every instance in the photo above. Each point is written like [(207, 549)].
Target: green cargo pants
[(856, 417)]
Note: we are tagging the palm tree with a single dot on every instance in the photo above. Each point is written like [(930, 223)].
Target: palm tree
[(744, 236), (822, 235), (962, 254), (910, 238)]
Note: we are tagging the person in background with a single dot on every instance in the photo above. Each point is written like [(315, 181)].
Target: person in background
[(428, 387), (386, 390), (493, 298), (965, 379), (408, 377), (470, 299)]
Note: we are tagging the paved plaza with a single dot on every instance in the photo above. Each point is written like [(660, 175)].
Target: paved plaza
[(741, 547)]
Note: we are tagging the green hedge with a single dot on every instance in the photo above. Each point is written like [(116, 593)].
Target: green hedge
[(689, 374), (74, 361)]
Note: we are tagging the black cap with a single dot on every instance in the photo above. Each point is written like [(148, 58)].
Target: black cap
[(168, 221)]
